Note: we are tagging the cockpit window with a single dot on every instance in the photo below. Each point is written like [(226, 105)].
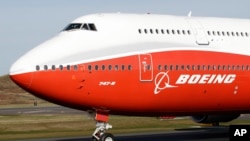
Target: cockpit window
[(89, 26), (92, 27), (84, 26), (73, 26)]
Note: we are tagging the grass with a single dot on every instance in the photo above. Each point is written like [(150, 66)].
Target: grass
[(12, 96), (41, 126), (46, 126)]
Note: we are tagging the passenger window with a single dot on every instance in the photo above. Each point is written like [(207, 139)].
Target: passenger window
[(96, 67), (168, 31), (37, 67), (173, 31), (139, 31), (110, 67), (223, 33), (116, 67), (166, 67), (89, 67), (151, 31), (170, 67), (75, 67), (204, 67), (61, 67), (193, 67), (243, 67), (223, 67), (218, 33), (53, 67), (208, 33), (208, 67), (178, 32), (162, 31), (123, 67), (183, 32), (233, 68), (129, 67), (198, 67), (247, 67), (146, 31), (156, 31), (68, 67), (214, 67), (45, 67), (176, 67), (246, 34), (159, 67), (218, 67), (103, 67), (182, 67), (214, 33), (238, 67), (242, 34)]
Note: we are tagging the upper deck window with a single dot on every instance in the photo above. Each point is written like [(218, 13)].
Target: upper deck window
[(73, 26)]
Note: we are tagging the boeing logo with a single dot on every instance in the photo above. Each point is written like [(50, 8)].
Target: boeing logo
[(162, 80), (206, 79)]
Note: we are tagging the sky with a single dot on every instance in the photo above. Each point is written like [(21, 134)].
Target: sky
[(25, 24)]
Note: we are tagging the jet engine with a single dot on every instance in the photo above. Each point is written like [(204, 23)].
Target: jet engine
[(214, 119)]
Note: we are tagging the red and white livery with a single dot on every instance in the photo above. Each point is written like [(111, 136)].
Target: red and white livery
[(143, 65)]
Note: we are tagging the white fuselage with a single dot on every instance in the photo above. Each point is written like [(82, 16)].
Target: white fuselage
[(126, 34)]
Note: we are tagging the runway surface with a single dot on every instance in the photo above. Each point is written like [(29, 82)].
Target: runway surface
[(39, 110), (191, 134)]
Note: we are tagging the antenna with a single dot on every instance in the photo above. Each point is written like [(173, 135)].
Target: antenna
[(190, 14)]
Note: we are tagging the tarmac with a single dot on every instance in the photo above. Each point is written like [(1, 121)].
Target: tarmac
[(189, 134)]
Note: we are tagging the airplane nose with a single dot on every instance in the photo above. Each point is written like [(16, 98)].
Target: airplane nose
[(22, 79), (20, 76)]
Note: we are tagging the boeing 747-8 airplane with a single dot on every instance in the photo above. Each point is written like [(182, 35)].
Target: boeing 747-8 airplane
[(143, 65)]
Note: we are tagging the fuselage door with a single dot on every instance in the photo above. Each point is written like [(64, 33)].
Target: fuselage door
[(145, 67), (199, 33)]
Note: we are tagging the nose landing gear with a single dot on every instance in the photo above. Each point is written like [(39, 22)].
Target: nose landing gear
[(99, 133), (101, 126)]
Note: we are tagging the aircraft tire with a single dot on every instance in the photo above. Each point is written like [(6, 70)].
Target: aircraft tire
[(107, 137)]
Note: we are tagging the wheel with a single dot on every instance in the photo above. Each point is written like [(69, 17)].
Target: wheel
[(107, 137), (94, 139)]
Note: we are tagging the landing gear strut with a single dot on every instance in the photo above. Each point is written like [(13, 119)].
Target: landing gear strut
[(100, 135), (101, 126)]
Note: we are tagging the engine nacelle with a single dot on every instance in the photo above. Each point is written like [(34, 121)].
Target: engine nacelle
[(214, 118)]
